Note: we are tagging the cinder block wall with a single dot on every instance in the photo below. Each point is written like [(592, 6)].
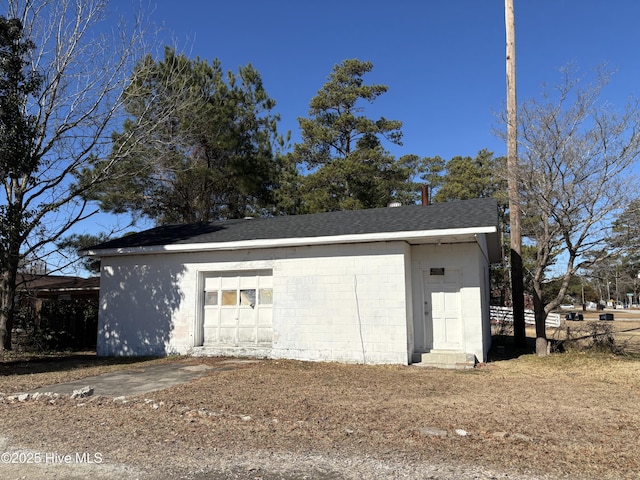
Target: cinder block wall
[(139, 298), (342, 303)]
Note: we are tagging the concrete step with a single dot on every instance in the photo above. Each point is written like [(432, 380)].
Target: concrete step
[(445, 359), (213, 350)]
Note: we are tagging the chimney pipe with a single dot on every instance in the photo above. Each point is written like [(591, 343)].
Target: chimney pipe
[(425, 195)]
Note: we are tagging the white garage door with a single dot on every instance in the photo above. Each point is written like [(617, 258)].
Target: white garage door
[(238, 308)]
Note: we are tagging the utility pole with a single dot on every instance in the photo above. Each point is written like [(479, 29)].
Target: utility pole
[(517, 288)]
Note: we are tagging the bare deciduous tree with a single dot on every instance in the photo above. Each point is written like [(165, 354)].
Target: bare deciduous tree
[(84, 59), (575, 157)]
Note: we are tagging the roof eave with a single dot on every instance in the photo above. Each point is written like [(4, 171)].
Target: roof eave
[(420, 236), (70, 289)]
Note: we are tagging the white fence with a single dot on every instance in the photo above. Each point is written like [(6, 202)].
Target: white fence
[(505, 314)]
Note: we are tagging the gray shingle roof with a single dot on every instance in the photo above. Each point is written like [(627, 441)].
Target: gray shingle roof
[(482, 212)]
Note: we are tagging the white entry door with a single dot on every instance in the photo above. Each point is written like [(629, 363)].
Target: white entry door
[(238, 308), (443, 308)]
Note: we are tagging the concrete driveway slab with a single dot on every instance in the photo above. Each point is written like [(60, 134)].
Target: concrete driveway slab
[(135, 380)]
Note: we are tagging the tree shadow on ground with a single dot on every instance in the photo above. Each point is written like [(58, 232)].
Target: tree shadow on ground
[(32, 364), (503, 347)]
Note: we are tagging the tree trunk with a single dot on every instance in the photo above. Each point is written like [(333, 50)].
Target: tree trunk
[(542, 345), (9, 277), (517, 289), (7, 306)]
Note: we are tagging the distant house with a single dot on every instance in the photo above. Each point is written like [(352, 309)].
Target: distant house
[(388, 285), (36, 288), (64, 306)]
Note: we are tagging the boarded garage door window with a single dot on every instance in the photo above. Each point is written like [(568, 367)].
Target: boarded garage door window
[(211, 298), (229, 297), (266, 296), (248, 297)]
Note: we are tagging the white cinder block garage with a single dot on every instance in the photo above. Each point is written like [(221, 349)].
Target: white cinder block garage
[(390, 285)]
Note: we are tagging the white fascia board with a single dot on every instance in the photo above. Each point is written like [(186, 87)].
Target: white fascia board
[(67, 289), (411, 237)]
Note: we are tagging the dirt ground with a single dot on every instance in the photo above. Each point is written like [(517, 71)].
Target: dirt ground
[(571, 415)]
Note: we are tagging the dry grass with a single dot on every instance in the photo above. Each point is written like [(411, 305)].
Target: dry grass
[(573, 415)]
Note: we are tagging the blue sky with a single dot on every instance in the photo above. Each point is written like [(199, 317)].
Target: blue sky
[(443, 60)]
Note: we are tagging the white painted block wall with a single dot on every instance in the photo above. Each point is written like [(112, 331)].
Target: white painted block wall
[(343, 303), (139, 297)]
